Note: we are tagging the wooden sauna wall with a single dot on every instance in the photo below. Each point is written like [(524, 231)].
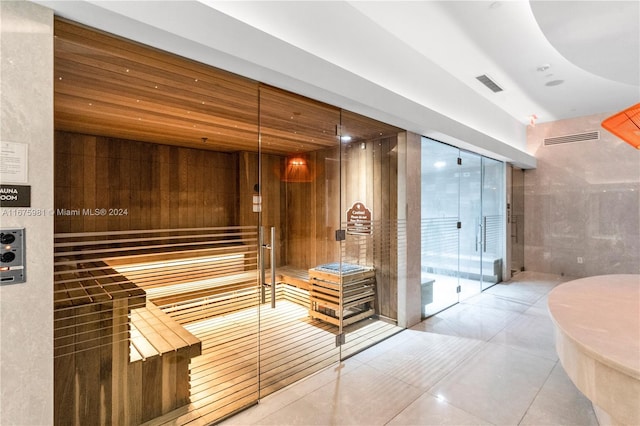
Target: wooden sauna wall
[(160, 186), (313, 212), (305, 214)]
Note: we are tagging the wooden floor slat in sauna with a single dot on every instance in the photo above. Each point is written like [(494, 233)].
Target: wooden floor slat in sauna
[(292, 346)]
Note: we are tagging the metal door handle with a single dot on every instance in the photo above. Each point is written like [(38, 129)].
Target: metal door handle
[(263, 277), (484, 234), (263, 273), (273, 267)]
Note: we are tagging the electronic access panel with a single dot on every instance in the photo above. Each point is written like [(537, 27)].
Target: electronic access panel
[(12, 256)]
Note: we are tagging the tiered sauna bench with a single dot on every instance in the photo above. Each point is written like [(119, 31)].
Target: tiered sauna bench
[(341, 298), (139, 357), (597, 323)]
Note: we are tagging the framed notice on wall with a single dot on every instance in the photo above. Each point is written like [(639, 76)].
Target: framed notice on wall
[(13, 162)]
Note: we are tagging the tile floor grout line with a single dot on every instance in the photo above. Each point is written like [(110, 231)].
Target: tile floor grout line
[(407, 406), (480, 345), (538, 392)]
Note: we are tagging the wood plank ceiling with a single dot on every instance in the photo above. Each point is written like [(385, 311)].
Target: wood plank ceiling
[(108, 86)]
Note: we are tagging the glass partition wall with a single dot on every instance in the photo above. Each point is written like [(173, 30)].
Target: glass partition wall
[(254, 239), (369, 232), (462, 225), (289, 271)]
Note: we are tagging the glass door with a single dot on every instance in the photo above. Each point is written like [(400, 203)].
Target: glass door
[(462, 224), (493, 222), (297, 199), (471, 229), (440, 238)]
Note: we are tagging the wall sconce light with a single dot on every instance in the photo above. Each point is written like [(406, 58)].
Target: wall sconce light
[(297, 169), (625, 125)]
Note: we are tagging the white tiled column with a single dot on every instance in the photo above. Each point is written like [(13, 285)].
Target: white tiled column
[(26, 310)]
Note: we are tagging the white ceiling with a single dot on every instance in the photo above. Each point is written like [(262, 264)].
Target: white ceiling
[(599, 42), (412, 64)]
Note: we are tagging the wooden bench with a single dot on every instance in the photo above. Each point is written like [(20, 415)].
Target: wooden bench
[(195, 301), (467, 266), (225, 302), (92, 304), (167, 268), (196, 287), (88, 297), (160, 353), (293, 285)]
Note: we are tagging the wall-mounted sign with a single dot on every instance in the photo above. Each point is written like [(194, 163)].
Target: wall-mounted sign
[(15, 196), (359, 220), (13, 162)]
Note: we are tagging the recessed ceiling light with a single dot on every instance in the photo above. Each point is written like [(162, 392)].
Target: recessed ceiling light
[(554, 83), (543, 68), (345, 138)]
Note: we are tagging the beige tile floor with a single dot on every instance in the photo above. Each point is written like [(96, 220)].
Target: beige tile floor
[(488, 360)]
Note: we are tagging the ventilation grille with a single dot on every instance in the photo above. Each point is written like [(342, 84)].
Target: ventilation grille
[(576, 137), (487, 81)]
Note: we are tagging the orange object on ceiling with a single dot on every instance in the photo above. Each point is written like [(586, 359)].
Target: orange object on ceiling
[(625, 125)]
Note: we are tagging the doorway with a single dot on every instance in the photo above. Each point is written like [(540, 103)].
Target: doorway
[(462, 225)]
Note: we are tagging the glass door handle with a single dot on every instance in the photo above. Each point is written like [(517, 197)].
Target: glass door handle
[(484, 234), (263, 277), (271, 246), (273, 267)]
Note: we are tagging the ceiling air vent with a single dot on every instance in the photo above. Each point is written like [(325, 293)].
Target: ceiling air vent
[(576, 137), (487, 81)]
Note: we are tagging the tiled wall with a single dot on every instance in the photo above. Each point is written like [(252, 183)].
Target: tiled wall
[(26, 310), (582, 201)]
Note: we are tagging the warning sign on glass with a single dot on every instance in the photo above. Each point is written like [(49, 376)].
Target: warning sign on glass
[(359, 220)]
